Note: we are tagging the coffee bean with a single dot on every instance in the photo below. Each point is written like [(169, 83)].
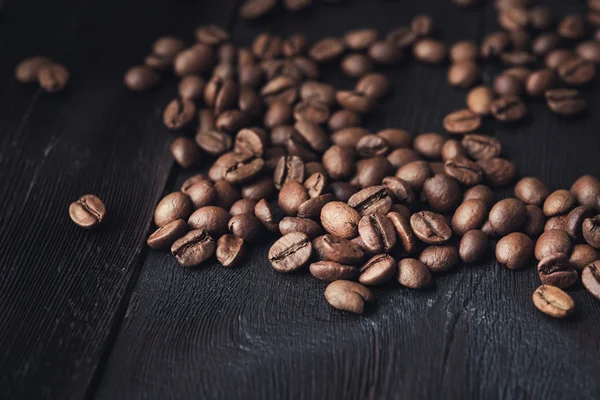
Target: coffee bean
[(400, 157), (531, 190), (313, 134), (479, 100), (462, 121), (340, 219), (246, 226), (441, 192), (545, 43), (266, 46), (589, 50), (565, 101), (379, 269), (211, 219), (52, 77), (294, 45), (473, 246), (429, 144), (574, 221), (559, 202), (577, 71), (279, 113), (250, 103), (312, 110), (372, 146), (571, 27), (591, 231), (360, 39), (559, 223), (320, 91), (250, 142), (330, 271), (342, 119), (252, 9), (349, 137), (371, 200), (463, 50), (507, 85), (429, 51), (333, 248), (355, 101), (480, 147), (513, 18), (356, 65), (508, 109), (553, 302), (141, 78), (231, 121), (326, 49), (174, 206), (266, 215), (414, 274), (315, 184), (404, 231), (296, 224), (539, 82), (220, 94), (179, 114), (230, 250), (348, 296), (193, 248), (430, 228), (534, 225), (384, 52), (540, 17), (312, 208), (194, 60), (288, 169), (494, 44), (280, 88), (402, 37), (439, 258), (463, 74), (296, 5), (555, 270), (587, 191), (415, 173), (243, 206), (582, 256), (422, 25), (471, 214), (481, 192), (291, 252), (227, 194), (238, 168), (27, 70), (552, 241), (557, 57), (514, 250), (507, 216), (291, 195), (185, 152), (498, 171), (590, 277), (89, 211), (211, 35), (399, 190), (396, 138), (166, 235), (343, 190), (464, 171), (202, 193), (377, 233), (213, 142)]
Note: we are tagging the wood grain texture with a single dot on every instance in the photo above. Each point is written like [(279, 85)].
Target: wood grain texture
[(62, 288)]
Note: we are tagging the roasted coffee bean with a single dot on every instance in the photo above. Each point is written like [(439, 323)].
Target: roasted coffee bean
[(166, 235), (539, 82), (463, 74), (577, 71), (295, 224), (559, 223), (220, 94), (534, 226), (202, 193), (230, 250), (294, 45), (404, 231), (250, 142), (557, 57), (158, 62), (508, 109), (330, 271), (238, 167), (471, 214), (326, 49), (437, 167), (377, 233), (191, 87), (260, 189), (315, 184), (340, 219), (565, 101), (211, 219), (231, 121), (559, 202), (185, 152), (312, 110), (507, 216), (574, 221), (479, 100), (517, 58), (414, 274), (53, 77), (480, 147), (213, 142), (555, 270), (288, 169), (400, 157), (291, 252), (582, 256), (494, 44), (384, 52), (211, 35), (291, 195), (507, 85), (339, 162), (194, 60), (349, 137), (140, 78), (430, 228), (280, 88), (396, 138), (553, 302), (174, 206), (498, 171), (360, 39), (266, 46), (481, 192), (587, 191), (552, 241), (442, 193), (193, 248), (342, 119), (343, 190), (372, 146), (206, 120), (313, 134), (371, 171), (414, 173), (540, 17), (422, 25), (572, 27), (464, 171), (399, 190), (531, 190), (355, 101), (320, 91), (179, 114), (429, 145), (227, 194), (312, 208), (281, 134), (314, 167), (251, 75), (167, 47), (439, 258), (250, 103), (464, 50), (402, 37), (252, 9), (266, 215), (243, 206), (514, 250), (462, 121), (590, 277), (348, 296), (589, 50), (379, 269), (27, 70), (473, 246), (371, 200), (246, 226), (429, 51), (513, 18), (545, 43), (333, 248), (89, 211), (591, 231), (374, 85)]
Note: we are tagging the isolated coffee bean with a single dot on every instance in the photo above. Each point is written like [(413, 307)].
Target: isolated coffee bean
[(212, 219), (291, 252), (174, 206), (481, 192), (514, 250), (326, 49), (430, 228), (53, 77), (498, 171), (574, 221), (383, 52), (141, 78), (252, 9), (333, 248), (462, 121), (481, 147), (402, 37), (590, 277), (463, 170), (534, 225), (552, 241), (473, 246), (377, 233), (591, 231), (166, 235), (577, 71), (583, 255), (439, 258), (371, 200), (330, 271), (553, 302), (377, 270), (531, 190), (193, 248), (507, 216), (348, 296), (414, 274), (89, 211), (508, 109), (230, 250), (266, 214), (340, 219), (471, 214), (179, 114), (559, 202), (414, 173), (565, 101), (479, 100), (555, 270), (429, 51), (442, 193), (587, 191)]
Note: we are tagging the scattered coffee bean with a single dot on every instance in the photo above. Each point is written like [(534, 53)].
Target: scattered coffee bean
[(193, 248), (27, 70), (340, 219), (166, 235), (507, 216), (333, 248), (326, 49), (185, 152), (565, 101), (141, 78), (553, 302), (481, 192), (371, 200), (559, 202), (498, 171), (442, 193), (174, 206), (330, 271), (377, 233), (291, 252), (473, 246), (89, 211), (230, 250), (534, 226), (430, 228), (479, 100), (470, 215), (531, 190), (514, 250), (414, 274), (52, 77), (462, 121), (429, 51), (439, 258), (463, 170), (379, 269), (556, 270), (551, 242), (373, 85), (179, 114), (348, 296), (508, 109), (590, 277), (587, 191), (591, 231), (583, 255), (481, 147)]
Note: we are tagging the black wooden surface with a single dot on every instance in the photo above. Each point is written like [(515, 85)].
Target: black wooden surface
[(94, 314)]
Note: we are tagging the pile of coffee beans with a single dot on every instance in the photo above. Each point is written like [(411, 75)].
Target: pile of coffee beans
[(51, 77), (288, 155)]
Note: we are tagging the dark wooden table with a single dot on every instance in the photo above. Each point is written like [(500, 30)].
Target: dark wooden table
[(96, 315)]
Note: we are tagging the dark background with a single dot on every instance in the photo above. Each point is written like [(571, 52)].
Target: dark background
[(96, 315)]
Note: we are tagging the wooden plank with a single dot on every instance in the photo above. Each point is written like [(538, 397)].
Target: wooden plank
[(62, 288), (250, 332)]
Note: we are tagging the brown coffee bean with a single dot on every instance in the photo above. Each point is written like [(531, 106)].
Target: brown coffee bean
[(52, 77), (571, 27), (27, 70), (589, 50), (481, 192), (396, 138), (462, 121), (374, 85), (371, 171), (371, 200), (582, 256), (295, 224), (565, 101), (545, 43), (312, 110), (422, 25), (326, 49), (399, 190), (252, 9), (463, 50), (349, 137), (211, 34), (480, 147), (356, 65), (590, 277), (513, 18), (340, 219), (243, 206), (211, 219), (552, 241), (534, 226), (291, 195), (514, 250), (185, 152), (479, 100), (231, 121), (587, 191), (384, 52), (230, 250), (355, 101), (360, 39), (260, 189), (402, 37), (330, 271), (404, 231), (507, 216), (577, 71), (250, 142), (591, 231), (473, 246), (439, 258), (531, 190), (313, 134), (343, 190), (507, 85), (227, 194), (414, 173), (463, 74), (378, 270), (279, 113), (281, 88), (400, 157), (377, 233), (174, 206), (555, 270), (414, 274), (498, 171), (508, 109), (140, 78), (291, 252), (430, 228), (194, 60), (312, 208), (289, 168), (559, 223), (202, 193), (494, 44), (193, 248), (429, 145), (559, 202), (342, 119), (471, 214), (89, 211), (429, 51), (463, 170), (266, 214), (540, 17), (539, 82), (574, 221), (179, 114), (558, 56), (553, 302), (442, 193), (372, 146), (333, 248), (348, 296), (266, 46), (166, 235), (246, 226)]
